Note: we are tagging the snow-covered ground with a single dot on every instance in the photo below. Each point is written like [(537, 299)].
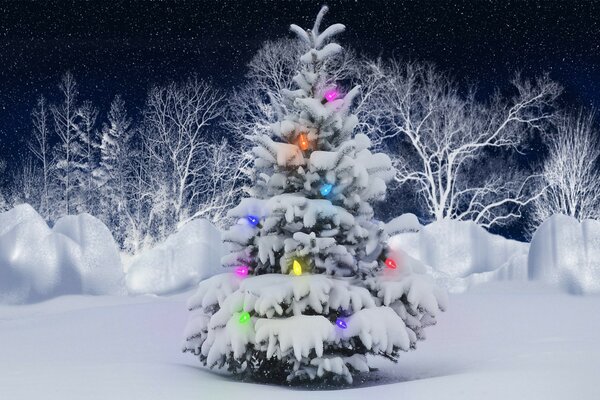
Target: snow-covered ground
[(505, 337), (506, 341)]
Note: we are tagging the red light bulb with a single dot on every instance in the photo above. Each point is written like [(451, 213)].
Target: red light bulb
[(391, 264)]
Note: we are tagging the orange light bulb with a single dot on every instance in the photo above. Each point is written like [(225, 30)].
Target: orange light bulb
[(303, 142)]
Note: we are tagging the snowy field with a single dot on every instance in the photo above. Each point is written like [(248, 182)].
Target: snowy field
[(506, 341)]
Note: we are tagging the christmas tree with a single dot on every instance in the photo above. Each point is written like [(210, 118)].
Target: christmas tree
[(315, 288)]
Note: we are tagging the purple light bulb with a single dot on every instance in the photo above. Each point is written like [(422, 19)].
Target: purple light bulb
[(331, 94)]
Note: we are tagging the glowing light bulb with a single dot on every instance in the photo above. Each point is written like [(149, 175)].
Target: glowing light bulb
[(391, 264), (244, 317), (297, 268), (331, 94), (241, 270), (303, 142), (341, 323), (253, 220), (326, 189)]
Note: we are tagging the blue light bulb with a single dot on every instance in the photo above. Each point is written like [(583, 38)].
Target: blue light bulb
[(252, 220), (326, 189), (341, 323)]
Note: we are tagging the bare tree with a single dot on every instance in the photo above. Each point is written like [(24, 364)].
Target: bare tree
[(179, 119), (64, 124), (145, 192), (86, 157), (570, 172), (439, 136), (26, 183), (40, 147), (223, 165)]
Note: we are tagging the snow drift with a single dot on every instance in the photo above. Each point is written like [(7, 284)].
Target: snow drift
[(184, 259), (459, 254), (78, 256), (566, 252)]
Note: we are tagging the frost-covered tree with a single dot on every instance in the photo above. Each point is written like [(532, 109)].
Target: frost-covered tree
[(113, 171), (441, 136), (315, 289), (113, 147), (571, 179), (26, 183), (40, 147), (85, 159), (65, 114), (144, 197), (223, 167), (178, 122)]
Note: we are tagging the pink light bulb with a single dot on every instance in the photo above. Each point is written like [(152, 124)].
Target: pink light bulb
[(331, 94), (241, 271)]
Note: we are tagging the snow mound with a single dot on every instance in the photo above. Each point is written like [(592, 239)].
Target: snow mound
[(403, 224), (36, 263), (458, 254), (184, 259), (20, 214), (100, 268), (515, 269), (566, 252)]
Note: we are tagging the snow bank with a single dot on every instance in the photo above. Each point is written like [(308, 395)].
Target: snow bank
[(459, 254), (79, 256), (184, 259), (566, 252), (100, 268)]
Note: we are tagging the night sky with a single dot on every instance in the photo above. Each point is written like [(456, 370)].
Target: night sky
[(125, 47)]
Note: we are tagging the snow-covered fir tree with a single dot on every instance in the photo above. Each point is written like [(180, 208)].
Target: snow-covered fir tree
[(315, 288), (112, 173)]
